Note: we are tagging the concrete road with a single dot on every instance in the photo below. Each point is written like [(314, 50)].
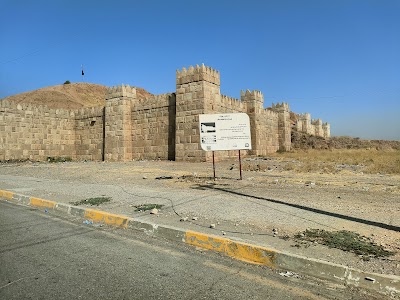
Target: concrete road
[(45, 257)]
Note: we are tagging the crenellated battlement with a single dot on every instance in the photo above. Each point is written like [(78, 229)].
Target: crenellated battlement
[(305, 116), (154, 101), (121, 91), (232, 103), (312, 126), (280, 107), (317, 122), (197, 73), (251, 95)]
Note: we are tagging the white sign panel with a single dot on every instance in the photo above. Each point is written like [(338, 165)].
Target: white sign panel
[(225, 132)]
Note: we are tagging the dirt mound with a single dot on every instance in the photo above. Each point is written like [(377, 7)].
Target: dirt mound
[(69, 96), (305, 141)]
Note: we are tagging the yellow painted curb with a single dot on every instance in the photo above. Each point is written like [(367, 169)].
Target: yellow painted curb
[(238, 250), (107, 218), (42, 203), (6, 194)]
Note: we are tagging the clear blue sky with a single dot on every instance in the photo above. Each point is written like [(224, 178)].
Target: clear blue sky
[(338, 60)]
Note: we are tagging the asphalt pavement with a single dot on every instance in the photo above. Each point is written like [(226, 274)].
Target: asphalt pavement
[(45, 257)]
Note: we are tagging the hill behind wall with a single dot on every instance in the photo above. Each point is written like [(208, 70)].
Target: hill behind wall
[(69, 96)]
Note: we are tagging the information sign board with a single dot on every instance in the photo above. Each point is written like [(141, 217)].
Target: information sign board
[(225, 132)]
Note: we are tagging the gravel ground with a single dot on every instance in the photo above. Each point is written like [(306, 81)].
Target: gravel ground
[(267, 207)]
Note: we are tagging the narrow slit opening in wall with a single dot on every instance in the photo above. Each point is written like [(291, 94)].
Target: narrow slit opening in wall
[(92, 123)]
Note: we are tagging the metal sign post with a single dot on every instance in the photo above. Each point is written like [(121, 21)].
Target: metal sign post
[(213, 164), (240, 166)]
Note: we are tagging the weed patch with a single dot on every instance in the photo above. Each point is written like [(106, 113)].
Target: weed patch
[(93, 201), (144, 207), (58, 159), (346, 241)]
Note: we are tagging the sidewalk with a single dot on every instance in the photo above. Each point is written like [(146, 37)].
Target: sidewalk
[(265, 209)]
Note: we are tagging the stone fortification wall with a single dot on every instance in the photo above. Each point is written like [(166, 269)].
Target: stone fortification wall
[(198, 92), (153, 128), (313, 127), (35, 132), (89, 133), (160, 127)]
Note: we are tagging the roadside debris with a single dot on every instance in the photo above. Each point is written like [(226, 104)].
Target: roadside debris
[(370, 279), (164, 177), (87, 222), (289, 274)]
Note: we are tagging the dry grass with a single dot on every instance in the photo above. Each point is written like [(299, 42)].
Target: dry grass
[(327, 161)]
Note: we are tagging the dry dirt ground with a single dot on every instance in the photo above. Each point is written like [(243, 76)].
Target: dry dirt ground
[(268, 206)]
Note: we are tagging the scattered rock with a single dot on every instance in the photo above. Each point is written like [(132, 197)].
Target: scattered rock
[(195, 218), (154, 211), (223, 233), (184, 219), (144, 177), (212, 226)]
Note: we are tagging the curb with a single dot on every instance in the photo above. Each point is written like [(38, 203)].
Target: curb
[(386, 284)]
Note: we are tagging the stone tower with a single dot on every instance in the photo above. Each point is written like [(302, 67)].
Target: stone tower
[(196, 91), (326, 128), (118, 129), (254, 101), (284, 126)]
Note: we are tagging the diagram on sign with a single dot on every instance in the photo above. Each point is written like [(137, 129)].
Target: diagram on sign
[(225, 132), (208, 134)]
